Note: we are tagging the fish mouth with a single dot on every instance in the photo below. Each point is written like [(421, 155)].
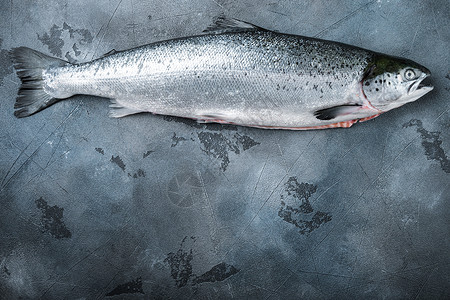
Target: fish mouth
[(418, 87)]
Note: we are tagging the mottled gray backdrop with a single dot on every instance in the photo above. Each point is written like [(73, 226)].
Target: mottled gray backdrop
[(158, 207)]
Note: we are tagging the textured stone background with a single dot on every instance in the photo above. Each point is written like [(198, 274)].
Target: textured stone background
[(156, 207)]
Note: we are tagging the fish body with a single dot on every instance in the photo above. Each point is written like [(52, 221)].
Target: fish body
[(237, 73)]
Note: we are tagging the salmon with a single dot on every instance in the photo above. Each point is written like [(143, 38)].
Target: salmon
[(235, 73)]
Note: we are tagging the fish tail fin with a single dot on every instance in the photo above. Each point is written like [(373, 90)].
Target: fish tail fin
[(30, 65)]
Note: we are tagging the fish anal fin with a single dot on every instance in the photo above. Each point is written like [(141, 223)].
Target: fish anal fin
[(118, 110), (331, 113), (222, 24)]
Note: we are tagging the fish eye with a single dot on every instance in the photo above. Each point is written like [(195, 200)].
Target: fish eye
[(410, 74)]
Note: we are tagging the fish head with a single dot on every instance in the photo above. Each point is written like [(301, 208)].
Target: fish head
[(390, 82)]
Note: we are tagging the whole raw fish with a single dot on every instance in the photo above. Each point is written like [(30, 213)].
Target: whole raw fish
[(234, 73)]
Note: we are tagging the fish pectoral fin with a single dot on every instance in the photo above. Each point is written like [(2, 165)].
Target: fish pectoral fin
[(223, 24), (118, 110), (336, 111)]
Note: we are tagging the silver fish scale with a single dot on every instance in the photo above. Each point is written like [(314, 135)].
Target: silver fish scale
[(253, 78)]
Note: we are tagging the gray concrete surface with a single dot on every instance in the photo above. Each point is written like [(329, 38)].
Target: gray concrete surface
[(149, 207)]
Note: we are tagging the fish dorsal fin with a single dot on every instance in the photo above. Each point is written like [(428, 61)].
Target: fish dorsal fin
[(223, 24)]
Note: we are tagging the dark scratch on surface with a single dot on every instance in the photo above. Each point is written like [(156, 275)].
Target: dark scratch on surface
[(415, 33), (139, 173), (176, 16), (424, 283), (218, 145), (147, 153), (219, 4), (278, 13), (380, 173), (78, 262), (118, 161), (269, 196), (6, 271), (436, 26), (105, 30), (100, 150), (431, 142), (301, 217), (176, 140), (364, 171), (29, 158), (51, 219), (15, 161), (346, 17), (56, 147), (259, 178), (219, 272), (180, 265), (131, 287)]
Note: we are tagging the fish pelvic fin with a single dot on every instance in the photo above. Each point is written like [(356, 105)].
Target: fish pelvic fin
[(29, 65), (222, 24), (118, 110)]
